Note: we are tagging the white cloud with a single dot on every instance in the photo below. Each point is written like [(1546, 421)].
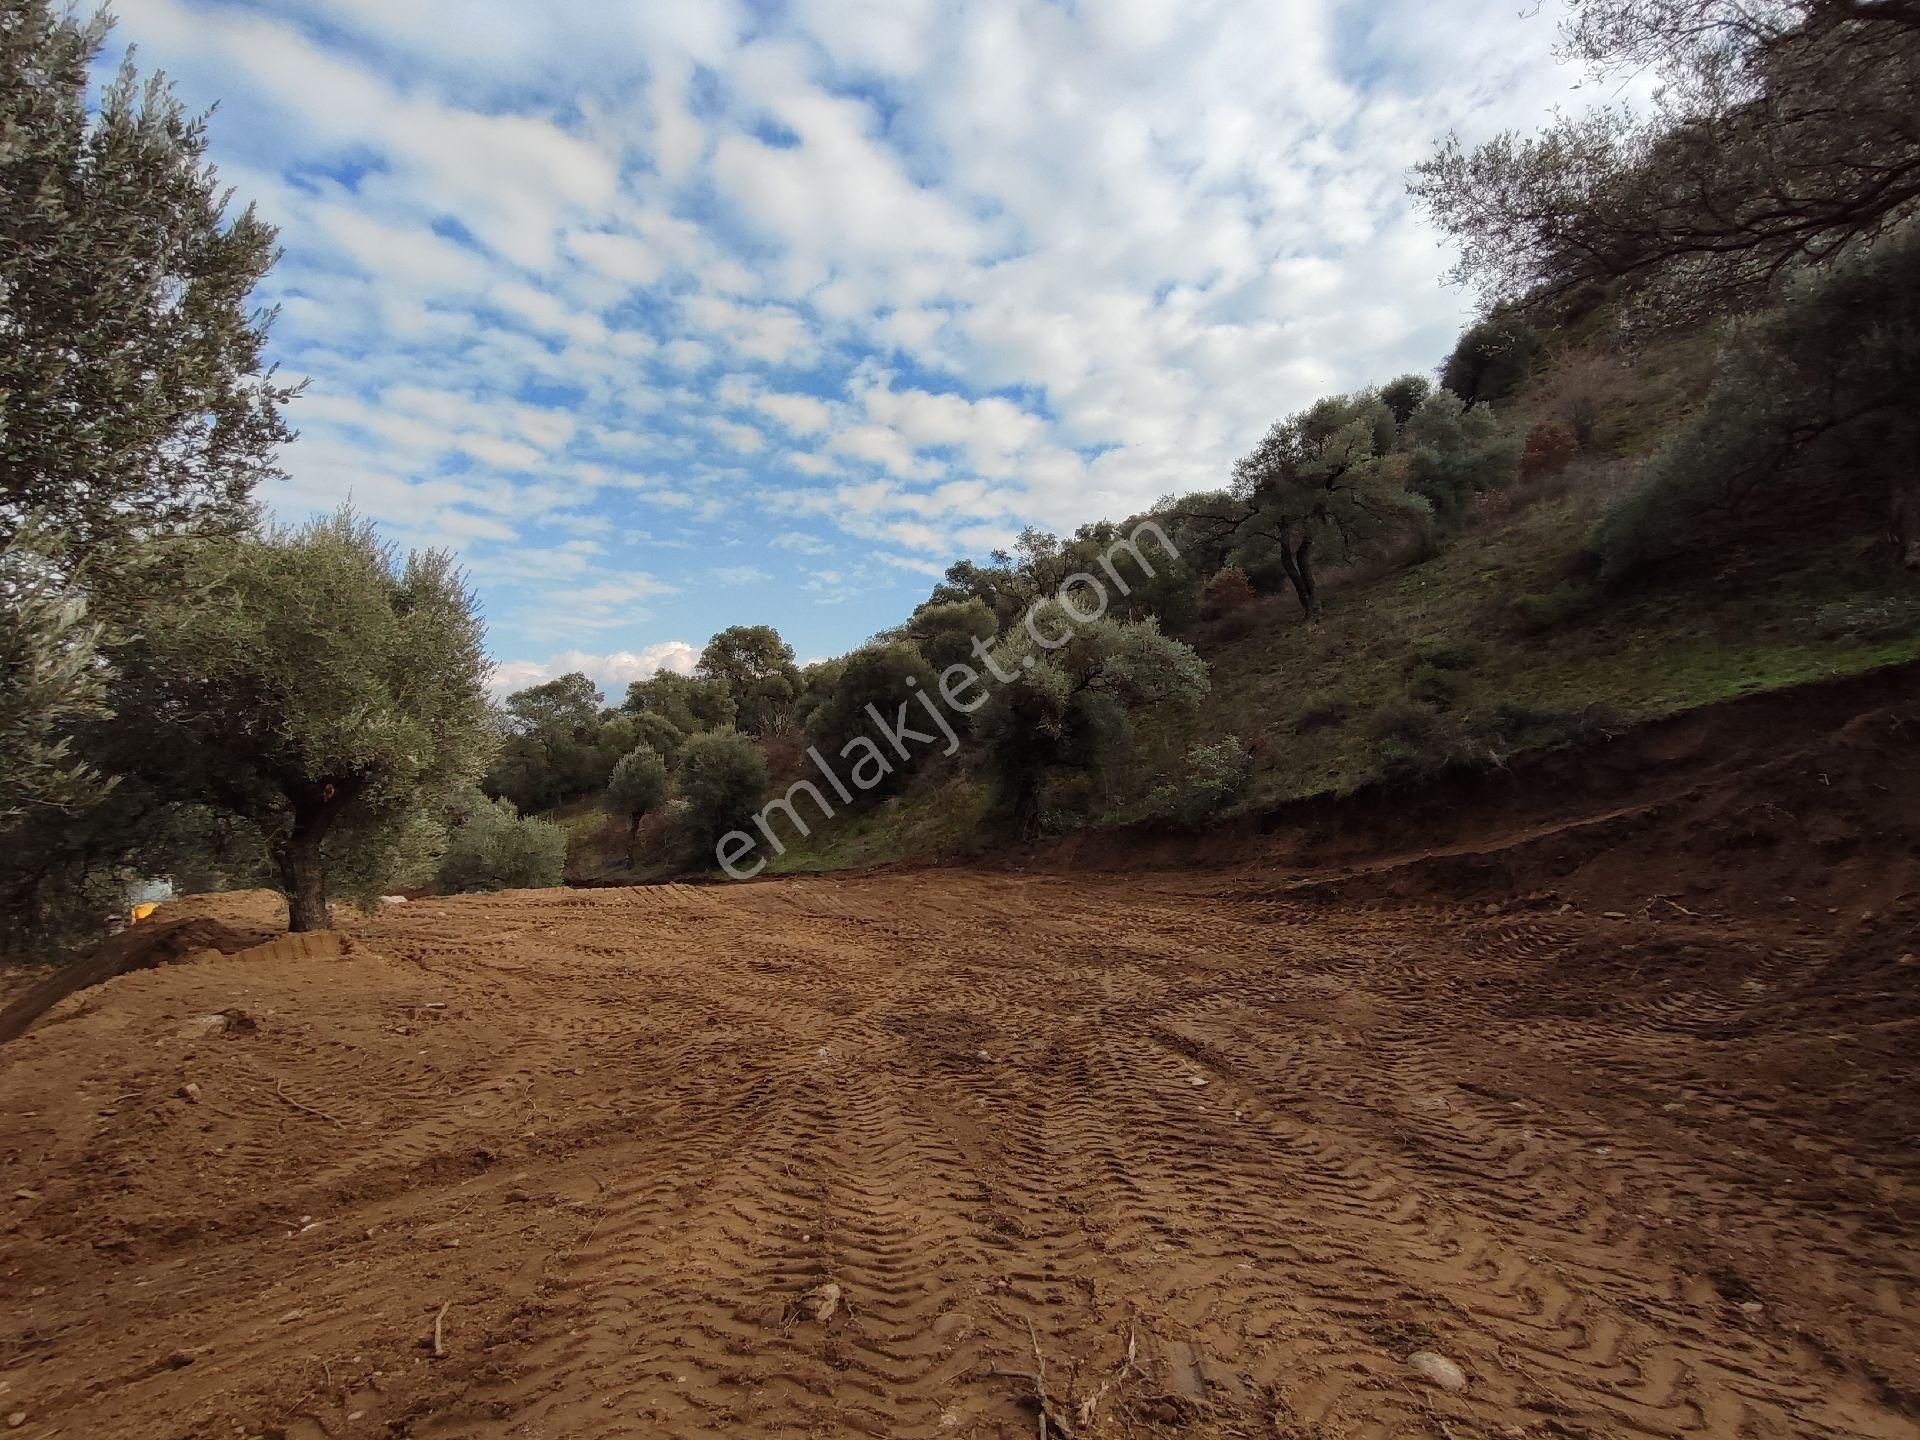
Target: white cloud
[(611, 672), (921, 273)]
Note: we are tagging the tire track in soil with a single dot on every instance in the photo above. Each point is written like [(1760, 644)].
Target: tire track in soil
[(1223, 1159)]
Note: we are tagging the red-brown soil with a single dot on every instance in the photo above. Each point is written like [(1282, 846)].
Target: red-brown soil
[(1624, 1129), (1225, 1156)]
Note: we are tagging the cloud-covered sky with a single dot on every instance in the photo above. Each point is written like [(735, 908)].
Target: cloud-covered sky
[(673, 314)]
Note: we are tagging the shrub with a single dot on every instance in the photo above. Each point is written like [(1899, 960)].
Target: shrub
[(722, 780), (1549, 448), (1409, 738), (497, 848), (1536, 614), (1216, 774), (1432, 686), (1492, 359), (1811, 411), (1226, 592)]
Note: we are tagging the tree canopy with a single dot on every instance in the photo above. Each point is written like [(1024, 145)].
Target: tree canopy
[(1782, 137), (322, 680), (133, 400), (1066, 689)]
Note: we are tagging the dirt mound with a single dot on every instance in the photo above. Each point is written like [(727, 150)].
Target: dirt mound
[(153, 942)]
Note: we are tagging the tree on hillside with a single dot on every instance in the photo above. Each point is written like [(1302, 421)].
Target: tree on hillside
[(1403, 395), (133, 402), (1455, 452), (569, 705), (691, 704), (1318, 479), (885, 677), (818, 681), (1064, 698), (1782, 138), (1491, 360), (757, 668), (658, 734), (320, 682), (552, 750), (945, 632), (722, 778), (637, 786)]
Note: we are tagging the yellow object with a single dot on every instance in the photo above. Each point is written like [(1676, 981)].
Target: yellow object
[(142, 911)]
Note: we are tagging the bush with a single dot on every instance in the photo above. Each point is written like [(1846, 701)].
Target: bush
[(497, 848), (1409, 738), (722, 780), (1216, 774), (1491, 360), (1810, 421), (1549, 449), (1536, 614), (1432, 686), (1226, 592)]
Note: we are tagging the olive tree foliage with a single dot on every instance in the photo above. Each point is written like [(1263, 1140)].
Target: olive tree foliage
[(1491, 360), (691, 704), (1073, 685), (637, 787), (497, 848), (320, 683), (880, 676), (945, 632), (1324, 480), (133, 401), (1811, 407), (756, 666), (1455, 451), (1402, 395), (1782, 136), (721, 782), (51, 679)]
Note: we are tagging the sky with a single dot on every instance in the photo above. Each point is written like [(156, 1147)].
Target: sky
[(672, 315)]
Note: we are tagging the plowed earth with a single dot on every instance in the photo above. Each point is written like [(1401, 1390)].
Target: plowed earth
[(1199, 1159)]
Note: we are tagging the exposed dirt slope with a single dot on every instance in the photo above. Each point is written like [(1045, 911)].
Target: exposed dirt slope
[(1226, 1160), (1804, 800)]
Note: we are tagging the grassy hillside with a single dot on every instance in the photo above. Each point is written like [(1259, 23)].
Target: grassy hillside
[(1470, 645)]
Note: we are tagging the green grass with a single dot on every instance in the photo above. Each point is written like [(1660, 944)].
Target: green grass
[(941, 820)]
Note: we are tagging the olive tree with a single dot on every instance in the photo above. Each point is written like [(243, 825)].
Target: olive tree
[(757, 668), (1066, 689), (133, 399), (318, 682), (1324, 478), (722, 780), (637, 786), (1782, 137)]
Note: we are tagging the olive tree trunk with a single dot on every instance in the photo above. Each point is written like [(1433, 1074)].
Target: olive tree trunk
[(300, 857)]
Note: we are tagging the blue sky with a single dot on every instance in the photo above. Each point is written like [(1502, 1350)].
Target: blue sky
[(668, 316)]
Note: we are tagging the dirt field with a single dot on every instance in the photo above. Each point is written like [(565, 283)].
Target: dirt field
[(1223, 1158)]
